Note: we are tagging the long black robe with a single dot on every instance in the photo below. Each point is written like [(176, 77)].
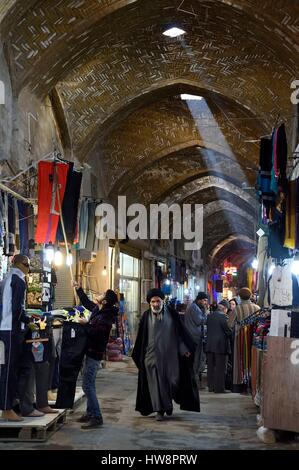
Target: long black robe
[(186, 394)]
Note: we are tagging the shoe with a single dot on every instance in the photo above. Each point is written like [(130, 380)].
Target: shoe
[(84, 419), (35, 414), (93, 423), (169, 412), (10, 415), (160, 416), (48, 410)]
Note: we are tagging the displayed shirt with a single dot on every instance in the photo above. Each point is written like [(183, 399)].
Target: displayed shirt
[(280, 323), (281, 286)]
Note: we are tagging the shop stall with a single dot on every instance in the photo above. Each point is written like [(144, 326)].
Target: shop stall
[(275, 368)]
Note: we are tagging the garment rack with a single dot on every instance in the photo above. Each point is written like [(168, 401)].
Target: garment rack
[(254, 316), (16, 195)]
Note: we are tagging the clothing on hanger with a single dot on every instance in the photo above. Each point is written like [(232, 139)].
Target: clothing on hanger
[(290, 221), (70, 205), (51, 175)]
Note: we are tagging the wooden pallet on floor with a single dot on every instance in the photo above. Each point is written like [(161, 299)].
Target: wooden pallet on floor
[(78, 399), (32, 429)]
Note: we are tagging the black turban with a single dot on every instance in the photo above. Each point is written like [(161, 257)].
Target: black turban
[(154, 293)]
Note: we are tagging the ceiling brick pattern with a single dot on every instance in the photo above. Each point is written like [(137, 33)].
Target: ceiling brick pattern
[(137, 150), (217, 228), (221, 206), (5, 5), (209, 195), (189, 189), (225, 50), (118, 80)]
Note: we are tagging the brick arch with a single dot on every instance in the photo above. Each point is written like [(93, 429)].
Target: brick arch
[(217, 227), (72, 24), (102, 66), (165, 132), (227, 241), (120, 115), (210, 196), (236, 251), (214, 207), (182, 194), (225, 211), (189, 166)]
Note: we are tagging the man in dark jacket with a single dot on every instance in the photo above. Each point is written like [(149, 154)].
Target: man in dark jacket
[(98, 329), (163, 354), (218, 347)]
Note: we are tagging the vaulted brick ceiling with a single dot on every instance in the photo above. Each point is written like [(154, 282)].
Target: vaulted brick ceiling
[(118, 80)]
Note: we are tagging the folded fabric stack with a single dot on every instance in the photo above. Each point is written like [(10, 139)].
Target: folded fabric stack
[(59, 313), (115, 350), (33, 311)]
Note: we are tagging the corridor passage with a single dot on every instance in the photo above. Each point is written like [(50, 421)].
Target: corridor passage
[(226, 422)]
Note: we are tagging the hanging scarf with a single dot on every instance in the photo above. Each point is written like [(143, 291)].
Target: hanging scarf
[(51, 175), (290, 222)]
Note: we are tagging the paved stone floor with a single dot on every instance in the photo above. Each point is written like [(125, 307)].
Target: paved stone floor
[(226, 422)]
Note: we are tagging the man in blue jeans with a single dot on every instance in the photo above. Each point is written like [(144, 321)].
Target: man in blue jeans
[(98, 330)]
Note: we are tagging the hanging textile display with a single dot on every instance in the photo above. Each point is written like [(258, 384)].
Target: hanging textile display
[(264, 179), (5, 224), (70, 205), (25, 219), (11, 217), (50, 174), (290, 223), (279, 160), (2, 220), (280, 323), (272, 179), (219, 285), (71, 359), (248, 333), (116, 266), (281, 286), (83, 224), (297, 216), (277, 236), (16, 225), (90, 240), (262, 269)]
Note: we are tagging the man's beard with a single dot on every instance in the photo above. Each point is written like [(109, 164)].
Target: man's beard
[(157, 310)]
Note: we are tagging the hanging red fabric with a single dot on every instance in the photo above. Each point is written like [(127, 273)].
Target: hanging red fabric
[(50, 174)]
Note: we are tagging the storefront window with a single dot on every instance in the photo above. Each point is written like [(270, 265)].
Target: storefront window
[(129, 266), (178, 291), (130, 287)]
